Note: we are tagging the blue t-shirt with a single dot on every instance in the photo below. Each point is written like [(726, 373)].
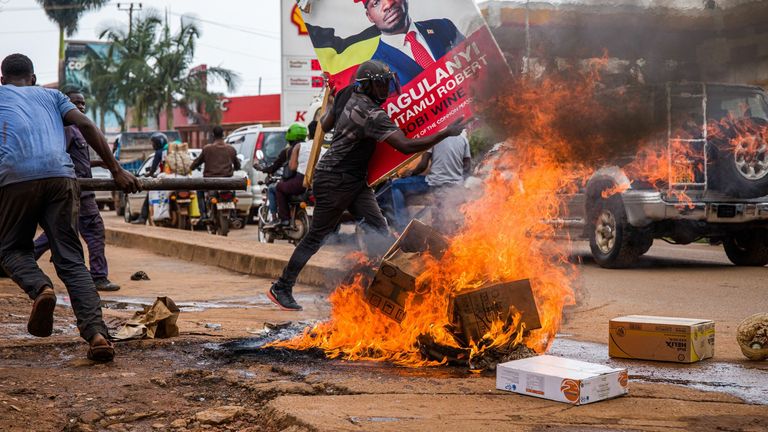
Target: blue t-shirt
[(32, 143)]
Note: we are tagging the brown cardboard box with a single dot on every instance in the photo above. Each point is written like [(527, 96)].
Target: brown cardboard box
[(401, 265), (475, 310), (679, 340)]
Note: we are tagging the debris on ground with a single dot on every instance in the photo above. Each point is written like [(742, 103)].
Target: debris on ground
[(752, 336), (156, 321), (213, 326), (139, 275), (679, 340), (220, 415), (562, 380)]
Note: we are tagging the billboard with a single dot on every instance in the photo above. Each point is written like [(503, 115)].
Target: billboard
[(440, 50), (74, 75), (302, 77)]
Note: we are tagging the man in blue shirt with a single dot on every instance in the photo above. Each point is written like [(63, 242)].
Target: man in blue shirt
[(38, 187), (90, 224)]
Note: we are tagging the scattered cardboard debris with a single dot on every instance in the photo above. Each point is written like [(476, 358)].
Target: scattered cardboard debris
[(156, 321), (405, 261), (679, 340), (474, 311), (562, 380)]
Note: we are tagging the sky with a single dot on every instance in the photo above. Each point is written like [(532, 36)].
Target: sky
[(242, 35)]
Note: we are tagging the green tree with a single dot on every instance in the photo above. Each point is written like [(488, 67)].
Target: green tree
[(103, 96), (183, 86), (134, 76), (66, 14)]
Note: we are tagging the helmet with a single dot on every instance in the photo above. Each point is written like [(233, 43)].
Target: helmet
[(374, 71), (296, 132), (159, 140)]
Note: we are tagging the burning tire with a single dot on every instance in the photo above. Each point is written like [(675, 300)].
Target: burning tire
[(614, 243), (740, 165), (748, 248)]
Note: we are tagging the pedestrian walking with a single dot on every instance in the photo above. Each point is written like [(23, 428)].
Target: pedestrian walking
[(38, 186), (340, 176), (90, 224)]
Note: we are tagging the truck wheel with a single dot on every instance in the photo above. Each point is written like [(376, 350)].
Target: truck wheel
[(614, 243), (120, 200), (127, 215), (747, 248), (741, 158)]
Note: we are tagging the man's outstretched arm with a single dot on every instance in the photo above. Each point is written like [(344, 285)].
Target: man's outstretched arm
[(403, 144)]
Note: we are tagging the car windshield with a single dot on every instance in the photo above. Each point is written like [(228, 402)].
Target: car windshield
[(243, 144), (273, 143), (736, 104)]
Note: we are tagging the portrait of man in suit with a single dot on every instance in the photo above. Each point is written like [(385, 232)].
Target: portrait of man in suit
[(407, 46)]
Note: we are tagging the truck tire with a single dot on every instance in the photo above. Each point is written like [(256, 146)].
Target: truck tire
[(614, 243), (748, 248), (740, 160)]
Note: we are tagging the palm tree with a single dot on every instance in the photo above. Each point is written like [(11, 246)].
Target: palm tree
[(134, 51), (66, 14), (103, 95), (181, 85)]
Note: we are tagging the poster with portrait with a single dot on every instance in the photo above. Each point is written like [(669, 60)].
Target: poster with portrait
[(440, 49)]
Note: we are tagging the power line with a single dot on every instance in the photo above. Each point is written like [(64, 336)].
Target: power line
[(229, 26), (238, 52)]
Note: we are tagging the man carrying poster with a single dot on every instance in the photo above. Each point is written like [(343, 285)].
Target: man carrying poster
[(409, 47), (340, 177), (440, 49)]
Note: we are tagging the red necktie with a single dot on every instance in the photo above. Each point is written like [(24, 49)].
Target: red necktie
[(420, 53)]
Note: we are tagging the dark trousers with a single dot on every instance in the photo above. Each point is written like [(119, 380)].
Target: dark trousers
[(286, 188), (53, 204), (91, 228), (335, 193)]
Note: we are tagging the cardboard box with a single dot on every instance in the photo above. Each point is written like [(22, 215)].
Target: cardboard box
[(562, 380), (401, 266), (679, 340), (475, 310)]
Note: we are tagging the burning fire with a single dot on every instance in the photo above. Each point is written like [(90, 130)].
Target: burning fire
[(504, 238)]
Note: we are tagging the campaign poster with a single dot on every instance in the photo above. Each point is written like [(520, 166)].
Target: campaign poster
[(302, 78), (440, 49)]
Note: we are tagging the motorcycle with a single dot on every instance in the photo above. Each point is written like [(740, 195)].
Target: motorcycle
[(300, 209), (220, 206), (180, 206)]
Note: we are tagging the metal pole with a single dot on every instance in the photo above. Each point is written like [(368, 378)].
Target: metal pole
[(183, 183), (130, 8)]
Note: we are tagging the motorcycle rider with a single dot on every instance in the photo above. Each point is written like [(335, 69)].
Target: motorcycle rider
[(340, 176), (296, 134), (220, 159)]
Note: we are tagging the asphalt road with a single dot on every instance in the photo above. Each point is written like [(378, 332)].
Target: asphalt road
[(157, 383)]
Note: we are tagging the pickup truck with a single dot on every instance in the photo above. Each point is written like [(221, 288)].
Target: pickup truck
[(721, 131)]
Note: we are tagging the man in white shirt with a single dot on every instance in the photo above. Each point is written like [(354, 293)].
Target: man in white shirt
[(409, 47)]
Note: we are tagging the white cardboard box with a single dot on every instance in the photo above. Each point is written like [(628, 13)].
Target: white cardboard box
[(562, 380)]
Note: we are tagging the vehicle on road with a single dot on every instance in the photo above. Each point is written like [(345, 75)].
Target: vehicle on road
[(133, 202), (714, 136), (220, 206), (257, 144), (131, 149), (301, 216)]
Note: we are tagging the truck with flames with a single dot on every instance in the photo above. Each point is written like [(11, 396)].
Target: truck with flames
[(710, 180)]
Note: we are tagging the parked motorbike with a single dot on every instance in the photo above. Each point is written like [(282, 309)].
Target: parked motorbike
[(180, 205), (300, 208), (220, 206)]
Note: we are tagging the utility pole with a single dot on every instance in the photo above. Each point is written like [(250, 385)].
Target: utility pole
[(130, 7)]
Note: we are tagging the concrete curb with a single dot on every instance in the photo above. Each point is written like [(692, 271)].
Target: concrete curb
[(257, 259)]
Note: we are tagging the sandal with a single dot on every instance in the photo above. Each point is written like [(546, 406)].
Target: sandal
[(102, 353), (40, 322)]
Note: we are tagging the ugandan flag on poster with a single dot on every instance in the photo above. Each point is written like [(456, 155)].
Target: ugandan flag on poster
[(340, 56)]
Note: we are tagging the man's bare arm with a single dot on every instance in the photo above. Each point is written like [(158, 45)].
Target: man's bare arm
[(426, 158), (400, 142)]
